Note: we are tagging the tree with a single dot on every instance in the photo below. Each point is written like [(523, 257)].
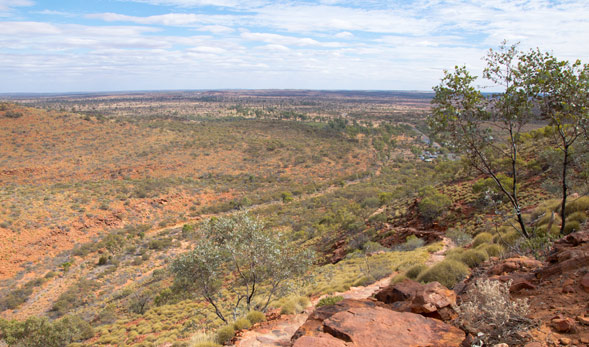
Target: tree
[(562, 92), (240, 253), (486, 129)]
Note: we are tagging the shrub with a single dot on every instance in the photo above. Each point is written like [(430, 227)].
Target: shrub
[(13, 114), (433, 205), (578, 216), (490, 311), (290, 307), (448, 272), (411, 242), (580, 204), (571, 227), (242, 324), (415, 270), (399, 279), (509, 237), (481, 238), (492, 250), (224, 334), (15, 298), (102, 260), (363, 281), (473, 257), (256, 317), (460, 238), (329, 300)]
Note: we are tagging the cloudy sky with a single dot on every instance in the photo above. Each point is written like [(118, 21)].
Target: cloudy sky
[(108, 45)]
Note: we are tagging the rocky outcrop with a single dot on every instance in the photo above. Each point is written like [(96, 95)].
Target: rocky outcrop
[(568, 254), (431, 300), (363, 323)]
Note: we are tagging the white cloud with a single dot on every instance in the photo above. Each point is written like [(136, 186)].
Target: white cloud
[(170, 19), (344, 35), (6, 5)]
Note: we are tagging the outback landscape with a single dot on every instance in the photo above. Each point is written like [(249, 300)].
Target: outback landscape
[(322, 173)]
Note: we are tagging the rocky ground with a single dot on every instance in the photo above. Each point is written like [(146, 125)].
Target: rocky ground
[(414, 314)]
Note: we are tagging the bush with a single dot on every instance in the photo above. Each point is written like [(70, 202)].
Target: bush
[(363, 281), (224, 334), (15, 298), (329, 300), (415, 270), (433, 205), (490, 311), (40, 332), (580, 204), (256, 317), (13, 114), (460, 238), (473, 257), (509, 237), (411, 242), (571, 227), (578, 216), (492, 250), (242, 324), (481, 238), (448, 272), (399, 279)]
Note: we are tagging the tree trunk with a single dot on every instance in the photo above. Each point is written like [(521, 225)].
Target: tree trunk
[(565, 163)]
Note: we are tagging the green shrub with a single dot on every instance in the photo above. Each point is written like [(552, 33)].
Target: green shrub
[(578, 216), (473, 257), (289, 307), (571, 227), (509, 237), (399, 279), (15, 298), (329, 300), (415, 270), (492, 250), (460, 238), (433, 205), (224, 334), (454, 252), (206, 344), (256, 317), (481, 238), (580, 204), (363, 281), (411, 242), (303, 301), (242, 324), (448, 272)]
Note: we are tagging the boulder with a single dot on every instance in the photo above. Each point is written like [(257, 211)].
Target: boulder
[(564, 325), (313, 326), (321, 340), (585, 282), (515, 264), (431, 300), (377, 326)]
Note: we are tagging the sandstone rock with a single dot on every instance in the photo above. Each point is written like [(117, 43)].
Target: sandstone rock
[(501, 345), (564, 341), (533, 344), (520, 285), (434, 300), (515, 264), (313, 326), (321, 340), (568, 289), (583, 320), (374, 327), (402, 291), (585, 282), (564, 325)]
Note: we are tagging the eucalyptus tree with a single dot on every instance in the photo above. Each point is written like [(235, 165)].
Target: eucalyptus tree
[(486, 129), (561, 90), (238, 258)]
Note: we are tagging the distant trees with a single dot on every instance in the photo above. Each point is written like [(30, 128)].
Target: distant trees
[(487, 129), (237, 259)]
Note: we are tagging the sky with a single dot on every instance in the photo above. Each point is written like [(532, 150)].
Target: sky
[(120, 45)]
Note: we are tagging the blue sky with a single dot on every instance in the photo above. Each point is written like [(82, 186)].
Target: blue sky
[(111, 45)]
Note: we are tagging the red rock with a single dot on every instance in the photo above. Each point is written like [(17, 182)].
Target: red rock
[(322, 340), (568, 289), (515, 264), (518, 286), (376, 327), (434, 300), (583, 320), (564, 325), (533, 344), (585, 282), (402, 291)]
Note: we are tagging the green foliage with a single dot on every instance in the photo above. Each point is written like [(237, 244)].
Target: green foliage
[(13, 114), (399, 279), (433, 204), (492, 250), (224, 334), (242, 324), (329, 300), (256, 317), (187, 231), (448, 272), (472, 257), (40, 332), (15, 298), (286, 197), (571, 227), (415, 270), (488, 190), (411, 242), (578, 216), (75, 296), (239, 244), (460, 238), (578, 205), (481, 238)]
